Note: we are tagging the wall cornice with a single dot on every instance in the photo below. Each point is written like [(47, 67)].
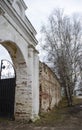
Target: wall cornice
[(1, 11), (7, 8), (24, 5)]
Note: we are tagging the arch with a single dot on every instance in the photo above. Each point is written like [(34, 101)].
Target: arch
[(13, 50), (21, 75), (16, 38)]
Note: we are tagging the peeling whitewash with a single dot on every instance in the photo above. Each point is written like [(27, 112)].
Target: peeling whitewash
[(17, 35)]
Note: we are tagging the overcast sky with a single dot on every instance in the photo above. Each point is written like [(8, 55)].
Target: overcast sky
[(39, 10)]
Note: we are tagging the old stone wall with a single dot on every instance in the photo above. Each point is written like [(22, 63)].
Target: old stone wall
[(50, 90)]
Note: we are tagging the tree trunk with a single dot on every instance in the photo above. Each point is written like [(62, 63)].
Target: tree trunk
[(68, 96)]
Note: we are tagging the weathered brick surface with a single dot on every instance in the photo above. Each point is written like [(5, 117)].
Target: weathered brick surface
[(50, 90)]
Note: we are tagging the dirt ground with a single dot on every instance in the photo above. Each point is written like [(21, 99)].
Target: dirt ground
[(63, 118), (60, 118)]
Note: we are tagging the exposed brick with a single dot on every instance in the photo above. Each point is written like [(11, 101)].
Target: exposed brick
[(50, 90)]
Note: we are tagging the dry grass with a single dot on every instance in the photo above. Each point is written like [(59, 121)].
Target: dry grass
[(60, 115)]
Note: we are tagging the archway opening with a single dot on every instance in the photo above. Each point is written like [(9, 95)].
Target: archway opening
[(7, 84), (18, 63)]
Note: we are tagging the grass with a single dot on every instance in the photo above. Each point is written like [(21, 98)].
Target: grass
[(59, 115), (77, 100)]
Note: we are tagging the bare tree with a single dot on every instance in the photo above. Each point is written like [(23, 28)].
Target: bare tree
[(62, 42)]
